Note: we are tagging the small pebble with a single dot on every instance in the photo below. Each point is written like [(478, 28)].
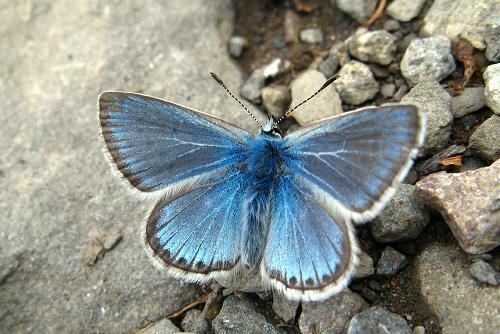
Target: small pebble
[(251, 88), (340, 51), (194, 322), (492, 38), (378, 320), (161, 327), (276, 67), (405, 10), (427, 59), (472, 99), (388, 90), (400, 93), (291, 25), (391, 262), (360, 10), (236, 45), (391, 25), (365, 267), (379, 71), (485, 140), (484, 272), (492, 87), (213, 303), (377, 46), (329, 66), (419, 330), (406, 41), (276, 99), (356, 83), (311, 35), (284, 308)]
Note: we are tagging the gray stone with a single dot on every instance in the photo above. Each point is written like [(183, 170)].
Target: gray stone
[(484, 273), (311, 35), (427, 59), (340, 51), (325, 104), (434, 164), (472, 99), (240, 316), (276, 67), (377, 320), (365, 267), (194, 322), (388, 90), (291, 25), (377, 46), (460, 303), (492, 38), (419, 330), (464, 200), (58, 188), (356, 83), (434, 102), (404, 218), (405, 10), (8, 265), (164, 326), (391, 25), (284, 308), (332, 315), (276, 99), (471, 163), (329, 66), (236, 45), (460, 18), (492, 89), (360, 10), (485, 141), (251, 88), (391, 262)]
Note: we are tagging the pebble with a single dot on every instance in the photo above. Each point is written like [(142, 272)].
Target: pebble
[(340, 51), (484, 273), (161, 327), (403, 218), (377, 46), (492, 87), (284, 308), (419, 330), (276, 67), (485, 141), (388, 90), (360, 10), (291, 25), (325, 104), (194, 322), (276, 99), (92, 251), (402, 90), (365, 267), (391, 262), (472, 99), (446, 287), (378, 320), (460, 18), (471, 163), (406, 41), (329, 66), (433, 164), (311, 35), (213, 303), (379, 71), (331, 315), (240, 316), (8, 265), (427, 59), (356, 83), (435, 103), (405, 10), (252, 87), (236, 45), (391, 25), (492, 38), (110, 239), (474, 225)]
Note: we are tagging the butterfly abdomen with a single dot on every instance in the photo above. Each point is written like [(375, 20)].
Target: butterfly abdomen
[(263, 168)]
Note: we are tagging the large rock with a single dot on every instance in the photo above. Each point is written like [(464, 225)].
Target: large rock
[(434, 101), (373, 46), (332, 315), (460, 18), (427, 59), (485, 141), (461, 304), (57, 56), (326, 104), (492, 89), (466, 202)]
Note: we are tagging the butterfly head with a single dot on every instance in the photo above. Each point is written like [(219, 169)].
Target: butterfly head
[(271, 128)]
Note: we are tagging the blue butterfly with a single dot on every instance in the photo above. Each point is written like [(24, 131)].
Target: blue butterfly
[(227, 200)]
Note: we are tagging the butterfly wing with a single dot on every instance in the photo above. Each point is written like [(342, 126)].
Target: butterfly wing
[(309, 254), (353, 162), (197, 235), (159, 145)]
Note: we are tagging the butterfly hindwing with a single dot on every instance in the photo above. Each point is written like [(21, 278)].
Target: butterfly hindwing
[(197, 236), (356, 159), (160, 145), (309, 254)]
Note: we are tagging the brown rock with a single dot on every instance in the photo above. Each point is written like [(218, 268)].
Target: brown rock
[(465, 201)]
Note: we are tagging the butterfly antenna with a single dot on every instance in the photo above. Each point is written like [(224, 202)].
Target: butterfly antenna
[(326, 84), (219, 81)]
